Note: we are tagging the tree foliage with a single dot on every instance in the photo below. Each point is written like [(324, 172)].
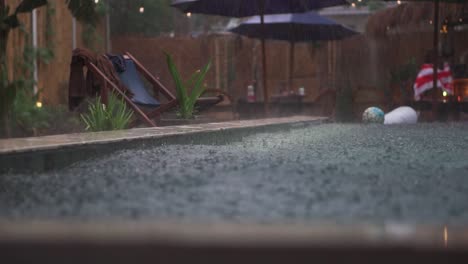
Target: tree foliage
[(126, 18), (373, 5), (157, 18), (83, 10)]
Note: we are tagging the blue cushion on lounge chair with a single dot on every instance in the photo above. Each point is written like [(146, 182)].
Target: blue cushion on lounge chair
[(131, 79)]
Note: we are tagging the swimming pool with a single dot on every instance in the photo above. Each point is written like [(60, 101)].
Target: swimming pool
[(339, 173)]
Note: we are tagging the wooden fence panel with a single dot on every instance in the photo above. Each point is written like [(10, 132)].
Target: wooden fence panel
[(52, 77)]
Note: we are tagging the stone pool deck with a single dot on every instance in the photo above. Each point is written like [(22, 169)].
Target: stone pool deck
[(19, 152)]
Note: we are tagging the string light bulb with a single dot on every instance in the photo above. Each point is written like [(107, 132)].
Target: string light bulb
[(399, 2), (189, 14), (444, 29), (353, 4), (142, 9), (39, 104), (445, 236)]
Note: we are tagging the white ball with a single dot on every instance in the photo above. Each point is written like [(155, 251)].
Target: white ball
[(401, 115)]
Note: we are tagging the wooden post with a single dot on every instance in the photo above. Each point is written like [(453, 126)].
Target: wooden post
[(329, 62), (3, 48), (291, 64), (217, 63), (435, 60), (3, 37), (4, 104), (333, 67)]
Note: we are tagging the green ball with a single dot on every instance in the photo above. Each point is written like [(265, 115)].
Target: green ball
[(373, 115)]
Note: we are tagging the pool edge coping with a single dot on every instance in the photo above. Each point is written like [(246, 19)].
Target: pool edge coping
[(33, 144), (39, 154)]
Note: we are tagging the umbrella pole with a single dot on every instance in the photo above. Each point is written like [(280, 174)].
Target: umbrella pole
[(291, 65), (265, 85), (266, 96), (436, 59)]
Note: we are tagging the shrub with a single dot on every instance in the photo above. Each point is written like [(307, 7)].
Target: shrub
[(114, 116), (27, 116)]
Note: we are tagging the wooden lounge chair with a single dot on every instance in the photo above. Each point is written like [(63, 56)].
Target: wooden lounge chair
[(147, 107), (203, 102)]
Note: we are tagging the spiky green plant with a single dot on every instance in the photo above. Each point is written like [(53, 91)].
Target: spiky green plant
[(119, 115), (187, 92), (114, 116)]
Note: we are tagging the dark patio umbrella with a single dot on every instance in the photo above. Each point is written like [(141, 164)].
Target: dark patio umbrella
[(436, 44), (294, 28), (244, 8)]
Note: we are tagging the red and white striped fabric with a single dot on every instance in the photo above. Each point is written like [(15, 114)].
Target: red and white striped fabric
[(424, 80)]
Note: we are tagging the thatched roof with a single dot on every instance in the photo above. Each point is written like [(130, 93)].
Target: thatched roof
[(411, 15)]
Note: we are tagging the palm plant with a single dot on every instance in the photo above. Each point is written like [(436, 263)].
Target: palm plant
[(187, 92), (83, 10)]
